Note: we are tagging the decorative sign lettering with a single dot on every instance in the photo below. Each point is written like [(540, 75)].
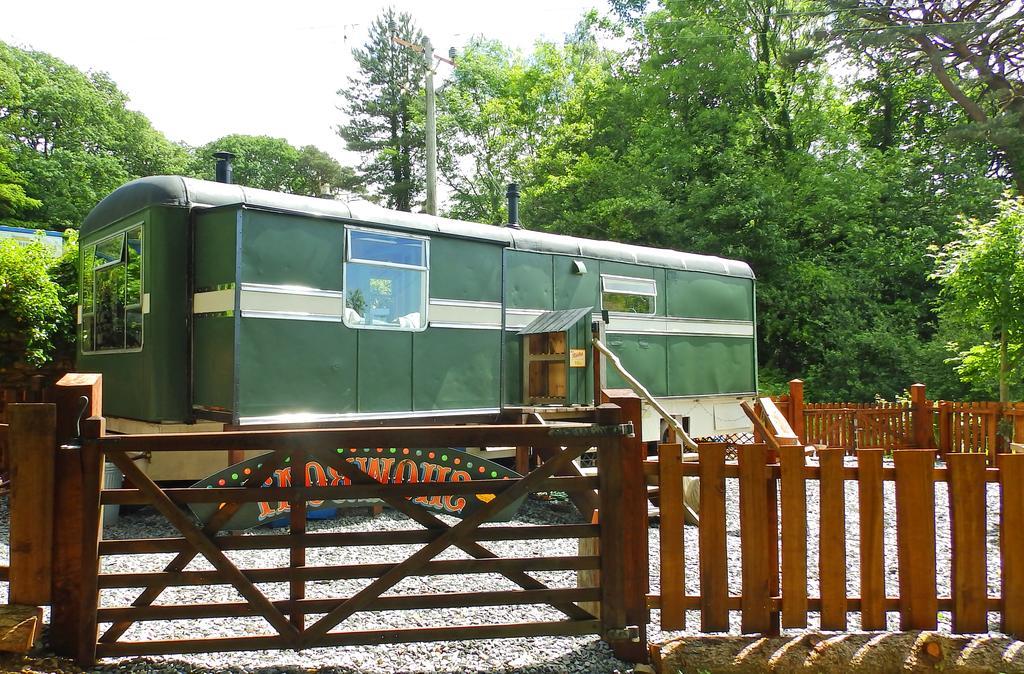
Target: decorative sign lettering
[(386, 465), (577, 357)]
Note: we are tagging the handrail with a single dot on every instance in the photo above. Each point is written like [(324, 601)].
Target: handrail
[(641, 391)]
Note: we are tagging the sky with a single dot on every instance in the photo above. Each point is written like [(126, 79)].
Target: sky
[(201, 70)]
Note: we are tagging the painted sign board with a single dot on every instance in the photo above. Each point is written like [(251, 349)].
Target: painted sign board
[(392, 465)]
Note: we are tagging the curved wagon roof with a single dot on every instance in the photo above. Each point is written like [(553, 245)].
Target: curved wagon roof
[(177, 191)]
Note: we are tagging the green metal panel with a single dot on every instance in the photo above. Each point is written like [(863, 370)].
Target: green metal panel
[(465, 270), (528, 280), (214, 360), (574, 290), (150, 384), (692, 294), (288, 366), (215, 248), (456, 369), (624, 269), (644, 357), (282, 249), (512, 369), (701, 365), (385, 370)]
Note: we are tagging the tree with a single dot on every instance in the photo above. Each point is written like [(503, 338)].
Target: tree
[(383, 105), (722, 130), (68, 139), (981, 275), (36, 310), (274, 164), (972, 48)]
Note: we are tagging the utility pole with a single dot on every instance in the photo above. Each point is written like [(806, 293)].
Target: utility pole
[(431, 205), (427, 49)]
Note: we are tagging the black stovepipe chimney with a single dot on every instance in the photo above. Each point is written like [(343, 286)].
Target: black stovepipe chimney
[(512, 192), (224, 174)]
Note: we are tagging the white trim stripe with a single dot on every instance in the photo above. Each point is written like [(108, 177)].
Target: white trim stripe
[(516, 319), (213, 302), (267, 301), (669, 325), (456, 313)]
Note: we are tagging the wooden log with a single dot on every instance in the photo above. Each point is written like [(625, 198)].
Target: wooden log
[(832, 540), (20, 625), (967, 507), (915, 538), (794, 537), (1011, 542), (32, 445), (872, 542), (714, 570), (670, 532), (754, 540)]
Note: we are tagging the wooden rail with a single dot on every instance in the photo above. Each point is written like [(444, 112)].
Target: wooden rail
[(914, 475)]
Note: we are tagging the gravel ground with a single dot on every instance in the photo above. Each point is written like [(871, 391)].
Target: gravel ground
[(532, 655)]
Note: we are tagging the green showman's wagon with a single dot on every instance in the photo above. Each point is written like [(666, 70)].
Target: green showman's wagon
[(205, 302)]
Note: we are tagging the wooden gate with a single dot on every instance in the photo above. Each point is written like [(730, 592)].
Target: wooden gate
[(85, 628)]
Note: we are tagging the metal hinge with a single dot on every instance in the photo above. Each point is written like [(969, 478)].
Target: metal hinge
[(628, 633)]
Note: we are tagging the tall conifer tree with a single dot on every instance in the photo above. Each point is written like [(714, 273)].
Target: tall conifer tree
[(383, 107)]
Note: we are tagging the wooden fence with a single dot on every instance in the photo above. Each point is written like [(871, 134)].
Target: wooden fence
[(65, 570), (948, 427), (774, 591)]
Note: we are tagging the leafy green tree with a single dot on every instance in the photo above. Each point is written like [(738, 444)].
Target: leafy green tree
[(721, 130), (68, 138), (383, 105), (972, 49), (37, 298), (981, 274), (14, 203), (274, 164)]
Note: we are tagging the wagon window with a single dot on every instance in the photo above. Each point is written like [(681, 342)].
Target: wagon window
[(623, 294), (111, 293), (385, 281)]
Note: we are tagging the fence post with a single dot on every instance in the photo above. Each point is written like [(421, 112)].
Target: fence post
[(623, 520), (796, 407), (68, 511), (31, 441), (921, 417), (945, 421)]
